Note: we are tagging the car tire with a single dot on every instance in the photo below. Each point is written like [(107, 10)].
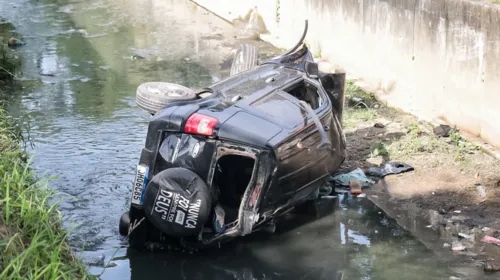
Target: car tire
[(245, 58), (153, 96), (124, 224)]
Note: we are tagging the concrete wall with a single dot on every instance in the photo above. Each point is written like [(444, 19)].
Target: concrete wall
[(436, 59)]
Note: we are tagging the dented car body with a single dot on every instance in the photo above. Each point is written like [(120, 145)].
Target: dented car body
[(261, 143)]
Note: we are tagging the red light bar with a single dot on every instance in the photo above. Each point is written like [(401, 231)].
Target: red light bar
[(200, 124)]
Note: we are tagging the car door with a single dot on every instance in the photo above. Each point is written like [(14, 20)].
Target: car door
[(300, 162)]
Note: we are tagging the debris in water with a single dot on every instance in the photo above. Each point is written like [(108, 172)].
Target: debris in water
[(83, 32), (457, 246), (358, 175), (482, 192), (442, 130), (95, 260), (187, 59), (325, 190), (390, 168), (491, 266), (14, 42), (341, 190), (466, 236), (136, 56), (491, 239), (355, 187), (429, 226), (111, 265)]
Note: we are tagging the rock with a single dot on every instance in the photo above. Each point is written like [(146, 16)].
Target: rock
[(379, 125), (442, 130), (457, 246), (491, 266), (446, 245), (14, 42), (485, 229)]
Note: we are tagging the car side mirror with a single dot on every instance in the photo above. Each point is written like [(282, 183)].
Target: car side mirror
[(312, 69)]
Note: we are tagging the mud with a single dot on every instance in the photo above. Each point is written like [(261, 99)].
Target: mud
[(439, 199)]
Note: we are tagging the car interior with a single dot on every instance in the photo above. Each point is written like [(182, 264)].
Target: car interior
[(306, 92)]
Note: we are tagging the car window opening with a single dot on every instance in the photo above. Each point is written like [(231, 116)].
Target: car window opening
[(306, 92), (232, 177)]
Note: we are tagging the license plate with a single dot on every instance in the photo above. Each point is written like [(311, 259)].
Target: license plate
[(140, 181)]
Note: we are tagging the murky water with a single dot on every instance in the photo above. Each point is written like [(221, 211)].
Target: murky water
[(79, 86)]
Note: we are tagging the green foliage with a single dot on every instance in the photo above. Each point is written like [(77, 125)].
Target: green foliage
[(9, 65), (33, 244)]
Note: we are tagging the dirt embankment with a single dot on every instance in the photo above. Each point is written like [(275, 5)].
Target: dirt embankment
[(454, 190)]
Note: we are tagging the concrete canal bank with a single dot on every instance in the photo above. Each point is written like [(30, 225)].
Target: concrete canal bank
[(437, 59)]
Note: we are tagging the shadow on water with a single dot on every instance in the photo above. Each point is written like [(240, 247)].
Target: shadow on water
[(78, 86), (350, 238)]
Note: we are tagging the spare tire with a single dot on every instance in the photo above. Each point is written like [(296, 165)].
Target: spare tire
[(245, 58), (153, 96), (177, 202)]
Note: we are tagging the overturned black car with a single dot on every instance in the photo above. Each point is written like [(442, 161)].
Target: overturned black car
[(231, 158)]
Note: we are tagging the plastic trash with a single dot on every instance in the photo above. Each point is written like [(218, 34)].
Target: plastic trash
[(219, 225), (482, 192), (491, 239), (355, 187), (457, 246), (358, 175), (389, 168)]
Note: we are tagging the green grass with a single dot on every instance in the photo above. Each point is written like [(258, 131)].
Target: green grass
[(33, 245), (417, 138), (355, 115), (379, 149)]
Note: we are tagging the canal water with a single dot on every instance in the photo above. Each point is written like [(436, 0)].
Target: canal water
[(81, 68)]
